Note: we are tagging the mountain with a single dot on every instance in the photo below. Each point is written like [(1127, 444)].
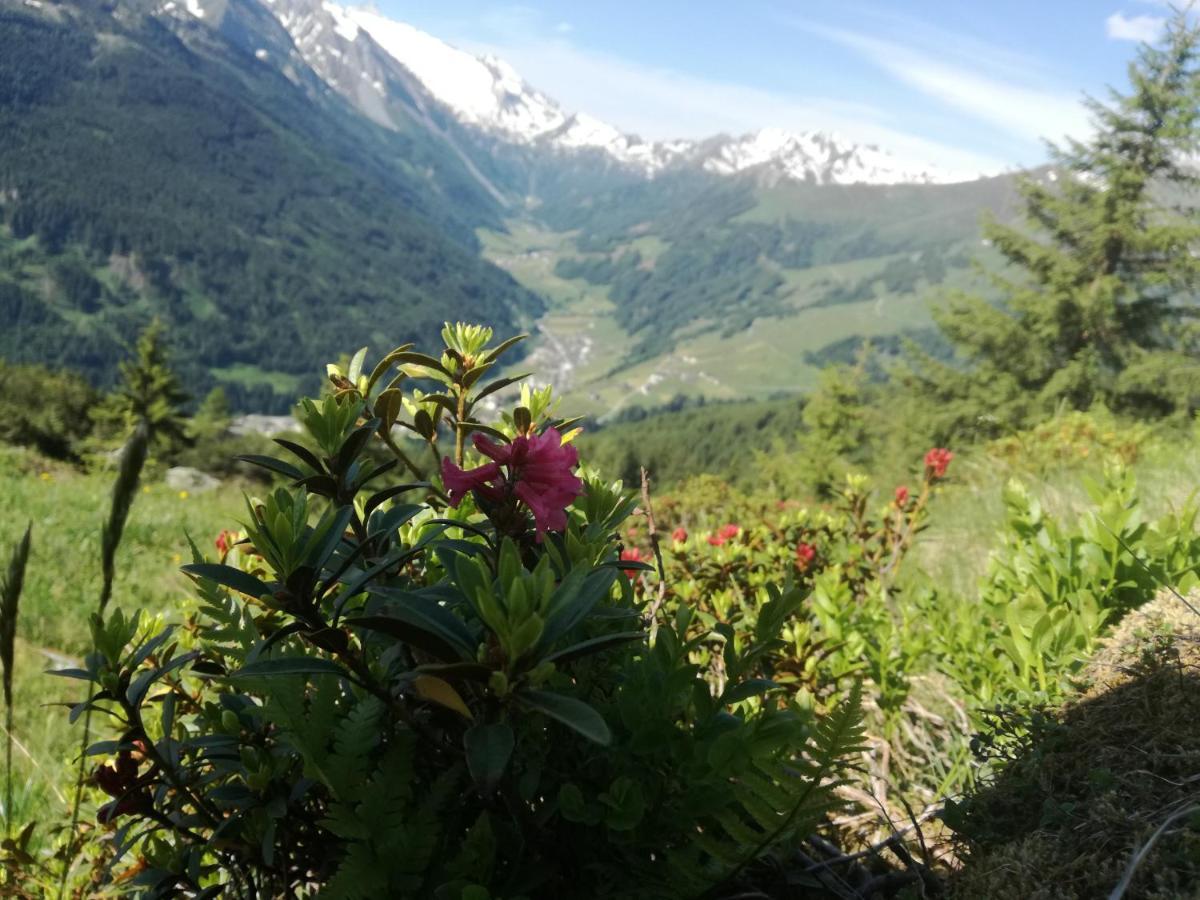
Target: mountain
[(187, 163), (283, 180), (486, 93)]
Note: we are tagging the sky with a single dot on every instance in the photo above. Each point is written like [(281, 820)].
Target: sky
[(963, 84)]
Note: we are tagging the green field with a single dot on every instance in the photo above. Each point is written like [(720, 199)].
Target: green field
[(62, 586)]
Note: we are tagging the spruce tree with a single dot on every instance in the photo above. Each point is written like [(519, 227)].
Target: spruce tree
[(1100, 277), (149, 392)]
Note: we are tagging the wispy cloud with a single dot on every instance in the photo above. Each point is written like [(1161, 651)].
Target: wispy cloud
[(1134, 28), (660, 103), (992, 90)]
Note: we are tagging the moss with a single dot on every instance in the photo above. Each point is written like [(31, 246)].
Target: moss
[(1090, 783)]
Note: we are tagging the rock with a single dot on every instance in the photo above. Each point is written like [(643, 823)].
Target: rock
[(185, 478), (264, 425)]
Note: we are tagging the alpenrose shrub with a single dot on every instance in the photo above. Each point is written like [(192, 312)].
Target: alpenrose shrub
[(832, 566), (395, 687)]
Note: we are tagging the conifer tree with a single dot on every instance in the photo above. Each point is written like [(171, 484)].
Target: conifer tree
[(149, 392), (1100, 276)]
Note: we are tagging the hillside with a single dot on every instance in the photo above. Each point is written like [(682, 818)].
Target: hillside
[(241, 167), (737, 288), (150, 171)]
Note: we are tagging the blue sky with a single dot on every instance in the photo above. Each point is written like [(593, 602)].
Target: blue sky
[(962, 83)]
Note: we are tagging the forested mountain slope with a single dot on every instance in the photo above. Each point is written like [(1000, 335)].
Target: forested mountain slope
[(148, 170)]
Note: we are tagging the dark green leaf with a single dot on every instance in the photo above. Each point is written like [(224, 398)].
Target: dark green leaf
[(489, 748), (595, 645), (307, 456), (290, 665), (273, 464), (499, 384), (229, 577), (575, 714)]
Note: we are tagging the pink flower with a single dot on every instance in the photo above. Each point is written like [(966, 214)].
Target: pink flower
[(805, 554), (679, 535), (631, 554), (536, 469), (902, 496), (724, 533), (225, 541), (936, 461)]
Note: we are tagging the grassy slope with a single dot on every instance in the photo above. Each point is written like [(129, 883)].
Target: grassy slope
[(67, 508), (63, 583), (768, 357)]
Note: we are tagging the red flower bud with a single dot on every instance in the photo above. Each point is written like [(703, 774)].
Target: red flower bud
[(902, 496), (631, 554), (936, 461), (679, 535), (805, 554)]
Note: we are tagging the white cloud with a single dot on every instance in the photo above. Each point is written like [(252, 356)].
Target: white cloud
[(1134, 28), (659, 103), (1029, 110)]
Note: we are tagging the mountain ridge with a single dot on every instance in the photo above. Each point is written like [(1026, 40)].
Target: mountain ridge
[(487, 93)]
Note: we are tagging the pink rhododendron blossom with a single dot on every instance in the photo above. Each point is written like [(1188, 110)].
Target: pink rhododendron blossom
[(679, 535), (631, 554), (536, 469), (902, 496), (225, 541), (724, 533), (936, 461), (805, 554)]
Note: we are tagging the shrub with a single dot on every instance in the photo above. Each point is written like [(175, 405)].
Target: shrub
[(44, 409), (400, 688)]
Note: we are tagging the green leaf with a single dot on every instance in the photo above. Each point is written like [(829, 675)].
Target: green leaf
[(493, 355), (229, 577), (356, 364), (489, 748), (290, 665), (272, 464), (594, 645), (573, 600), (750, 688), (499, 384), (575, 714)]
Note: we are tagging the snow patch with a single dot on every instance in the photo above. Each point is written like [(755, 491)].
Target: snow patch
[(344, 24), (194, 7), (261, 54)]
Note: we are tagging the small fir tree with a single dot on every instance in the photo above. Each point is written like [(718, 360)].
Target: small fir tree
[(149, 392), (1092, 292)]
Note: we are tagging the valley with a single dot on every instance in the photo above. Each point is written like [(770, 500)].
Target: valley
[(729, 268)]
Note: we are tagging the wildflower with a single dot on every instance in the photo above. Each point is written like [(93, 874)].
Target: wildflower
[(936, 461), (183, 495), (902, 496), (535, 469), (46, 476), (631, 554), (805, 554), (724, 533), (679, 535), (225, 541), (119, 781)]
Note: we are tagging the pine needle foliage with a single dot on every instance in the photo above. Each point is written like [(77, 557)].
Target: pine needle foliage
[(1101, 274)]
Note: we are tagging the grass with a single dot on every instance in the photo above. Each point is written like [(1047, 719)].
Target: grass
[(62, 585), (1090, 788), (757, 362)]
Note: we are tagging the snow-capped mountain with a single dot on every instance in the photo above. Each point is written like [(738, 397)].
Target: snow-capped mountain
[(365, 56)]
